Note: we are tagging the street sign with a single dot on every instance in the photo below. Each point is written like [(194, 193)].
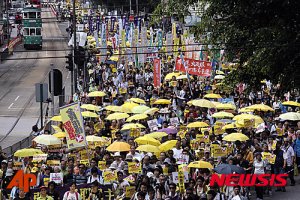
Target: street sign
[(41, 92)]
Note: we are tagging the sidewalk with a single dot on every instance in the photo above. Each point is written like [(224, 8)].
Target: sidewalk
[(292, 192)]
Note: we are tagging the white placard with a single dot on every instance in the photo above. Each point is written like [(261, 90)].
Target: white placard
[(56, 177), (175, 177), (152, 124)]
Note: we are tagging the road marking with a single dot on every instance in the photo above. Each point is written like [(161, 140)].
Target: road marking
[(17, 98), (10, 105), (46, 48)]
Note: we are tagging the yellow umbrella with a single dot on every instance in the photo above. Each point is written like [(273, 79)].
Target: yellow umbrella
[(219, 77), (223, 115), (60, 134), (47, 140), (216, 103), (203, 103), (27, 152), (90, 107), (200, 164), (219, 72), (229, 126), (240, 119), (56, 118), (170, 75), (128, 106), (226, 106), (212, 96), (138, 100), (197, 125), (147, 140), (130, 126), (166, 146), (114, 108), (151, 111), (148, 148), (137, 117), (140, 109), (190, 103), (291, 103), (235, 136), (292, 116), (93, 138), (96, 94), (260, 107), (245, 109), (184, 76), (56, 128), (118, 146), (157, 135), (162, 101), (117, 116), (89, 114)]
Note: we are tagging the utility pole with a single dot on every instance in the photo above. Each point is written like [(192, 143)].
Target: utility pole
[(130, 7), (74, 49), (7, 21), (137, 7), (52, 89)]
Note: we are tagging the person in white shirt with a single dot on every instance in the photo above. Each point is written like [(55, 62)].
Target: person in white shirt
[(72, 194), (177, 150), (134, 154), (289, 155)]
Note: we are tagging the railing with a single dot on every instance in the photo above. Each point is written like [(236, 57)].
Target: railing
[(25, 143)]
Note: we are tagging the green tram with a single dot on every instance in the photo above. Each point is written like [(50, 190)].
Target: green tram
[(32, 28)]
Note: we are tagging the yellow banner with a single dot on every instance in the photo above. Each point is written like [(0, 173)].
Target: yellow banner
[(202, 138), (181, 181), (109, 176), (174, 30), (130, 190), (269, 157), (17, 165), (102, 165), (175, 47), (280, 131), (53, 163), (123, 38), (85, 162), (219, 151), (134, 167), (73, 125)]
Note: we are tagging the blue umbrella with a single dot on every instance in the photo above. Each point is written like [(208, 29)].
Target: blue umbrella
[(229, 169)]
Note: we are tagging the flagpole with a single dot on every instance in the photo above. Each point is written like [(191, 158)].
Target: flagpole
[(186, 71)]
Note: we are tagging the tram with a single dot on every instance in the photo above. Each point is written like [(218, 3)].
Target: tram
[(32, 27)]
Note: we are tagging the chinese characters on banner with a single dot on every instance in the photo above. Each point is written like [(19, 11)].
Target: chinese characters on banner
[(194, 67), (156, 72), (73, 125)]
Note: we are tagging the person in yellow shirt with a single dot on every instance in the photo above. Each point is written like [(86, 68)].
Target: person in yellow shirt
[(43, 194)]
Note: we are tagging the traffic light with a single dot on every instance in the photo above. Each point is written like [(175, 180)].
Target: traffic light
[(79, 57), (69, 62)]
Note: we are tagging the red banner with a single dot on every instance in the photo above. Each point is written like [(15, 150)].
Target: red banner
[(156, 72), (194, 67)]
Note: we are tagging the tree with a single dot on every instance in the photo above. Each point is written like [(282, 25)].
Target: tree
[(262, 37)]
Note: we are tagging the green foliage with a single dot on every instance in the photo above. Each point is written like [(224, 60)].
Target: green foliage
[(262, 36)]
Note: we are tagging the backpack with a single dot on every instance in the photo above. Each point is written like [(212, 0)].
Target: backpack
[(76, 193)]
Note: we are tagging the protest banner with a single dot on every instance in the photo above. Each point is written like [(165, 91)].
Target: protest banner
[(194, 67), (73, 125), (134, 167), (83, 189)]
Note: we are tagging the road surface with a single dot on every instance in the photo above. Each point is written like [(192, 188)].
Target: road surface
[(18, 78)]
